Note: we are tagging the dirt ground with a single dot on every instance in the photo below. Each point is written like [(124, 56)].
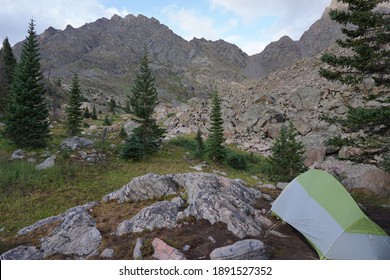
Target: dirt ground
[(200, 236)]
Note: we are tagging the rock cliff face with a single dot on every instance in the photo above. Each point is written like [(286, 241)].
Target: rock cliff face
[(106, 53)]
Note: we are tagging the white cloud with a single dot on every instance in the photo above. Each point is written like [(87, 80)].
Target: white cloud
[(291, 17), (249, 10), (16, 14), (192, 24), (284, 17)]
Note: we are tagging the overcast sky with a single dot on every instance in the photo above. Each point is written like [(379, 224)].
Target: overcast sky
[(250, 24)]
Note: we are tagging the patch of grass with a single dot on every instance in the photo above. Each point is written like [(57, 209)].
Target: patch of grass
[(368, 198), (185, 142), (147, 249), (28, 195)]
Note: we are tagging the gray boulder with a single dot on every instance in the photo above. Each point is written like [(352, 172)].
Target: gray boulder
[(159, 215), (137, 253), (250, 249), (107, 253), (75, 143), (358, 176), (219, 199), (375, 180), (18, 154), (143, 188), (48, 163), (53, 219), (129, 126), (23, 253), (178, 200), (76, 235)]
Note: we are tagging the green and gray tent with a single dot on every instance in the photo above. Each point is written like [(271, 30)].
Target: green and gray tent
[(319, 207)]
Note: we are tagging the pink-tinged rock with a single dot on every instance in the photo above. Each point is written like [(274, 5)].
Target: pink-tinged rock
[(163, 251), (375, 180)]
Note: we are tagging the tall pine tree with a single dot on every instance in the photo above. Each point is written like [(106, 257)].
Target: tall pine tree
[(73, 110), (367, 39), (214, 144), (7, 69), (200, 149), (286, 161), (367, 32), (26, 123), (143, 102)]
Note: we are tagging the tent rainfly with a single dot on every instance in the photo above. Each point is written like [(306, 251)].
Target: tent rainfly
[(319, 207)]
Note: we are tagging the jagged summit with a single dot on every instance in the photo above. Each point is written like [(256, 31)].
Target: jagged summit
[(105, 54)]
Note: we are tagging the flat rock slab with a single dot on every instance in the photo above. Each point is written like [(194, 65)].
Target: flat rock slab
[(159, 215), (22, 253), (220, 199), (50, 220), (76, 235), (210, 196), (107, 253), (250, 249), (144, 187), (163, 251)]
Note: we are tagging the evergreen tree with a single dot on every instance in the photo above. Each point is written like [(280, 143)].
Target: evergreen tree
[(86, 113), (200, 149), (73, 110), (94, 114), (286, 161), (107, 121), (142, 104), (133, 149), (26, 123), (367, 39), (127, 108), (112, 105), (215, 149), (7, 70), (123, 133)]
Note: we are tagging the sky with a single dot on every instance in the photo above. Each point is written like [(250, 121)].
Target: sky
[(250, 24)]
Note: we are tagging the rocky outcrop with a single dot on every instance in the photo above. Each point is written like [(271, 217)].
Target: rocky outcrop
[(144, 187), (211, 197), (75, 143), (375, 180), (23, 253), (358, 176), (219, 199), (76, 235), (51, 220), (278, 55), (163, 251), (159, 215), (250, 249), (182, 68)]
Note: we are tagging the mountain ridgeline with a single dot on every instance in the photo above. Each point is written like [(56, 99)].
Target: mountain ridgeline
[(105, 55)]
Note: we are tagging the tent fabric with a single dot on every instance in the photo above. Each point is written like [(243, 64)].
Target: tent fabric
[(318, 206)]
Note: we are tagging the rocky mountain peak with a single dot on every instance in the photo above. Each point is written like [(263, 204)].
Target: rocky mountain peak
[(337, 4), (105, 54)]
